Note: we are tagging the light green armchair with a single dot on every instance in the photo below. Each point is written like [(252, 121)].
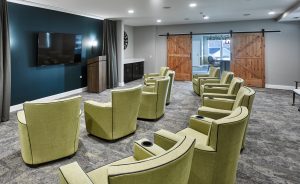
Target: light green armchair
[(217, 108), (150, 86), (149, 165), (217, 148), (214, 73), (162, 73), (49, 131), (226, 78), (115, 119), (153, 103), (222, 90)]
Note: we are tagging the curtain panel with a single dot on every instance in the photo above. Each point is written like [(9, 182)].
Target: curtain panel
[(5, 68), (110, 50)]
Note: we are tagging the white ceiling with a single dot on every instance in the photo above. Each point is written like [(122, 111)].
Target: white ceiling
[(148, 11)]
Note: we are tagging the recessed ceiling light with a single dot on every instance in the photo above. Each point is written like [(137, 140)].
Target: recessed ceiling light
[(247, 14), (131, 11), (158, 20), (296, 17), (192, 5), (271, 13), (186, 19), (166, 7), (205, 17)]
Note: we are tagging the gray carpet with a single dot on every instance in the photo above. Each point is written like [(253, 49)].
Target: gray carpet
[(271, 154)]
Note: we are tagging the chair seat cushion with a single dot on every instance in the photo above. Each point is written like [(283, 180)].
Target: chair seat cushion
[(200, 138), (297, 91), (213, 112)]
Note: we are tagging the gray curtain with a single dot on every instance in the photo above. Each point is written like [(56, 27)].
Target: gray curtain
[(5, 78), (110, 50)]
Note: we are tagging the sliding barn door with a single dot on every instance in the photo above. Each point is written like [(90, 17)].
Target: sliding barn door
[(248, 58), (179, 56)]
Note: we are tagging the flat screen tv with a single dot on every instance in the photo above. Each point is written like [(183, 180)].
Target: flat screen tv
[(58, 48)]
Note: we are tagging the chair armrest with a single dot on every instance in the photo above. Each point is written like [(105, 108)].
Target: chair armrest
[(166, 139), (216, 85), (217, 95), (142, 152), (149, 88), (200, 125), (219, 90), (209, 81), (21, 117), (200, 75), (73, 174), (219, 103), (151, 75)]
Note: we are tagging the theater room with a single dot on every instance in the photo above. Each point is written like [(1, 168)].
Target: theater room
[(149, 92)]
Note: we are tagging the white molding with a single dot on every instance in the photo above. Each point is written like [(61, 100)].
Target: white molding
[(272, 86), (55, 8), (49, 98), (121, 84)]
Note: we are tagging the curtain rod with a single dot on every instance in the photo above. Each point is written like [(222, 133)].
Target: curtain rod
[(230, 32)]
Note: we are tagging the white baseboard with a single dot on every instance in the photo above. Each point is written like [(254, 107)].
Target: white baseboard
[(121, 84), (271, 86), (49, 98)]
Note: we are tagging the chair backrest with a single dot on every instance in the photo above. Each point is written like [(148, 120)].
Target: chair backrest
[(171, 74), (235, 85), (53, 127), (244, 97), (161, 87), (214, 72), (125, 107), (171, 167), (226, 77), (225, 136), (163, 71)]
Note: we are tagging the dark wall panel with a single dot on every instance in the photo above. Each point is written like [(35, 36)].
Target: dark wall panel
[(30, 81)]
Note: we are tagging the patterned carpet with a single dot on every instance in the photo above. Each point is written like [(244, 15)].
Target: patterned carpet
[(272, 153)]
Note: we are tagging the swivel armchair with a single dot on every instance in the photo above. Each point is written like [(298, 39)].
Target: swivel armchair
[(217, 148), (214, 73), (115, 119), (153, 103), (150, 164), (49, 131), (162, 73)]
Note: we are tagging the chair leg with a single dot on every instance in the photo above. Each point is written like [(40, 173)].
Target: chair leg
[(294, 95)]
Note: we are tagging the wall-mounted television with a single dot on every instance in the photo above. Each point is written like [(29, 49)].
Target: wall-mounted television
[(59, 48)]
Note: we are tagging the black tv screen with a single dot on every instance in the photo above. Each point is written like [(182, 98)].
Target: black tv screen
[(59, 48)]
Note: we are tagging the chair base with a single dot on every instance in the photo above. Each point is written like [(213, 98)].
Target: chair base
[(111, 140), (151, 120), (34, 166)]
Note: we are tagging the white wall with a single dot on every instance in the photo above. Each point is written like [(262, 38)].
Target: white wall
[(282, 49), (120, 51), (129, 51), (145, 47)]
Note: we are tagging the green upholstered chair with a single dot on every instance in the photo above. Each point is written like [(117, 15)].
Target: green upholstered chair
[(226, 78), (153, 103), (214, 73), (217, 108), (148, 165), (223, 90), (150, 86), (217, 148), (162, 73), (114, 119), (50, 130)]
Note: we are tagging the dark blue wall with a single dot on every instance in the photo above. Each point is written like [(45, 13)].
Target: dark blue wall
[(31, 82)]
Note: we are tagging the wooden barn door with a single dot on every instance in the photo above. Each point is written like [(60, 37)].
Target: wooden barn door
[(248, 58), (179, 56)]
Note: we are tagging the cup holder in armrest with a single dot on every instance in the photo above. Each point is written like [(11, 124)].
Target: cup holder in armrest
[(147, 143), (199, 117)]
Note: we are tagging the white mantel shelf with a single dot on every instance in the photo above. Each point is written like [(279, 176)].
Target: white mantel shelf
[(133, 60)]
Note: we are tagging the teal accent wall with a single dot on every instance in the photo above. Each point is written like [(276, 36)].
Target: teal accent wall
[(29, 81)]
